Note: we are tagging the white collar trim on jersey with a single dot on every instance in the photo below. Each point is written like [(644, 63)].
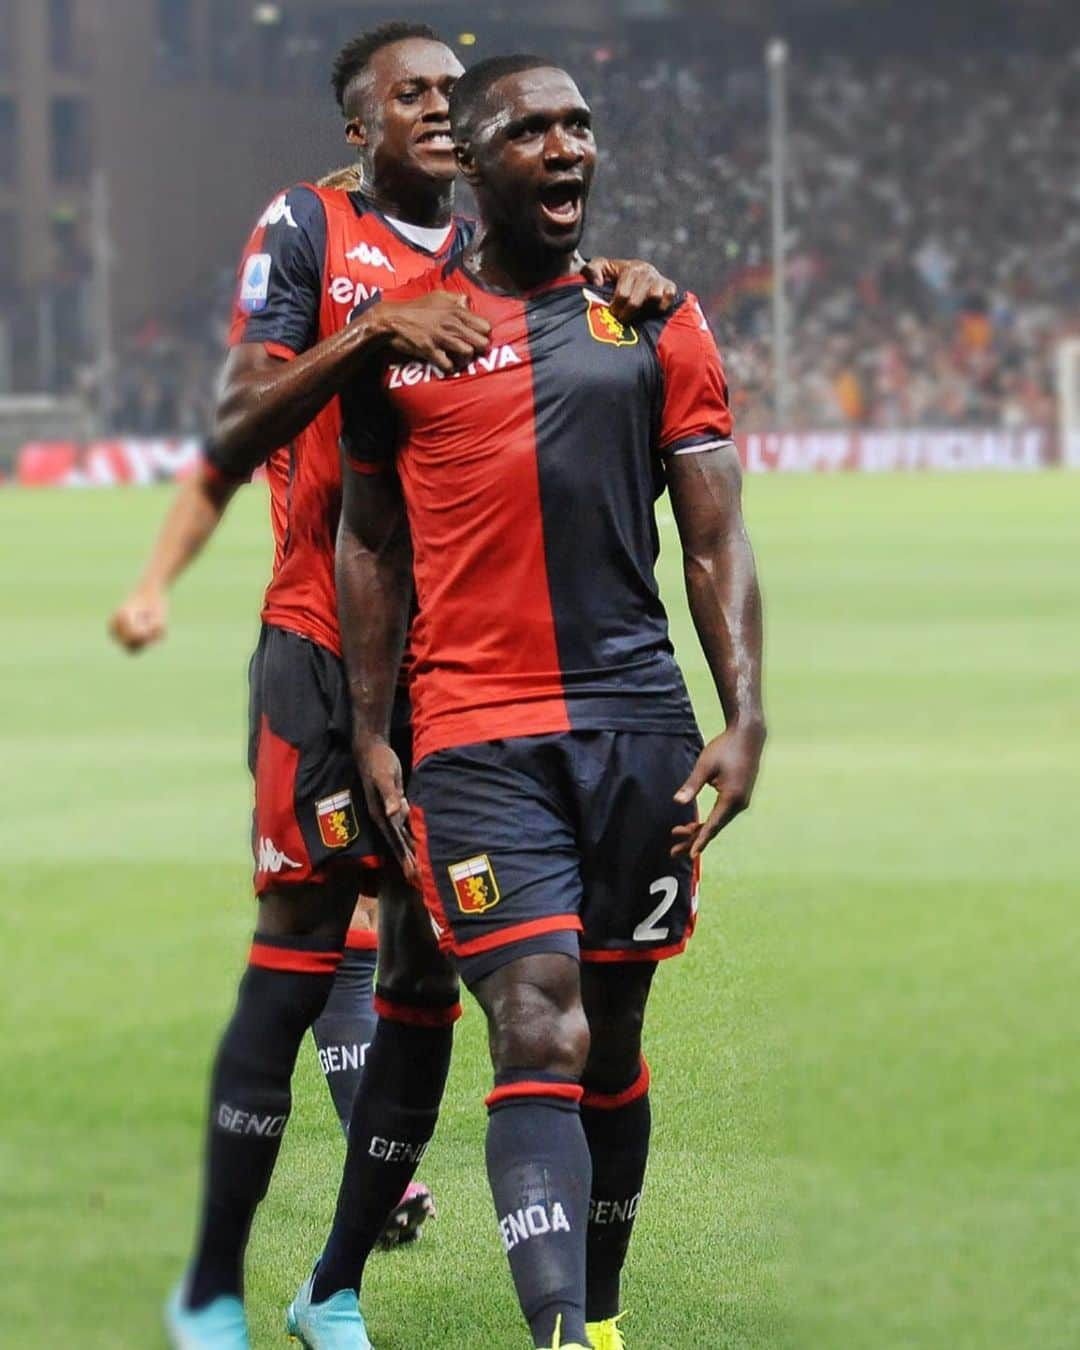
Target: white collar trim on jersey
[(427, 237)]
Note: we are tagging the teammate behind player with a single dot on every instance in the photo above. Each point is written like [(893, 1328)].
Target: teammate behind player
[(557, 756), (313, 253)]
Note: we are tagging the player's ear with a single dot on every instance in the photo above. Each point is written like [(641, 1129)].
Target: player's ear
[(466, 162), (355, 131)]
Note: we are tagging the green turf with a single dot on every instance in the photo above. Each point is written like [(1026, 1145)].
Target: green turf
[(867, 1098)]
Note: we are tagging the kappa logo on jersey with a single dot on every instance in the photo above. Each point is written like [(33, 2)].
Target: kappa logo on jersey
[(474, 884), (345, 291), (370, 254), (255, 283), (279, 210), (604, 326), (423, 372), (337, 819)]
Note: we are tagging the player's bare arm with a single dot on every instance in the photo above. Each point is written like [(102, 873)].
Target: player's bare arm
[(264, 400), (725, 604), (196, 511), (374, 588)]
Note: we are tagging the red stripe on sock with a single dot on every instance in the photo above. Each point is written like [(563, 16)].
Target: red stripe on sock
[(290, 958), (362, 940), (412, 1016), (567, 1092), (611, 1101)]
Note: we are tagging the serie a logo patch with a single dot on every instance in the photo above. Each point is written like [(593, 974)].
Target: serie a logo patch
[(255, 283), (337, 819), (474, 884), (604, 326)]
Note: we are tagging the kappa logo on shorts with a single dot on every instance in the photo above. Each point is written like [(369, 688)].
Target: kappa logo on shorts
[(474, 884), (337, 819), (270, 858), (604, 326)]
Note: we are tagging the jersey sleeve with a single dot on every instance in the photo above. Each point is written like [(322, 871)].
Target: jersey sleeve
[(695, 415), (279, 286), (217, 469)]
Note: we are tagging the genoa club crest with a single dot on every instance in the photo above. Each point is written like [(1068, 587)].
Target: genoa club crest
[(474, 884), (604, 326), (337, 819)]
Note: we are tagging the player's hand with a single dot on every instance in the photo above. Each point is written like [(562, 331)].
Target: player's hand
[(380, 771), (439, 327), (639, 288), (729, 763), (141, 620)]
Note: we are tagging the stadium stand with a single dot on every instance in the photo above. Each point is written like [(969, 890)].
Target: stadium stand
[(934, 250)]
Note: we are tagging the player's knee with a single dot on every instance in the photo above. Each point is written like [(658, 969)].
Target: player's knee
[(617, 1023), (614, 1053), (409, 956), (307, 911), (536, 1032), (427, 986)]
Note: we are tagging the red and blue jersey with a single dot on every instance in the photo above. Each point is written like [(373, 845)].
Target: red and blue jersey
[(315, 254), (529, 480)]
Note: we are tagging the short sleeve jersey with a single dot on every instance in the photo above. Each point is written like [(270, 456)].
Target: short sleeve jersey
[(314, 254), (529, 480)]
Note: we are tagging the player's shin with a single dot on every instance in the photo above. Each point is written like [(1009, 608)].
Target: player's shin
[(345, 1027), (538, 1168), (282, 992), (393, 1119), (617, 1127)]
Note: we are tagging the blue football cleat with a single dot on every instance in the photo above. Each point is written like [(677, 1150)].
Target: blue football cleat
[(221, 1325), (335, 1324)]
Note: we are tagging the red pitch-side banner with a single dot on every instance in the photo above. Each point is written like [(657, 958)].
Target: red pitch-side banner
[(106, 463), (951, 450), (134, 460)]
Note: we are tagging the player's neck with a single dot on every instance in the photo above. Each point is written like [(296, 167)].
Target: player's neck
[(502, 264), (428, 206)]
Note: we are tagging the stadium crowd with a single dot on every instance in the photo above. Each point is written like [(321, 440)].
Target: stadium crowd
[(933, 243)]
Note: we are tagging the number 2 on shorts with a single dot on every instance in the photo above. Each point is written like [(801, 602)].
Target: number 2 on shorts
[(648, 930)]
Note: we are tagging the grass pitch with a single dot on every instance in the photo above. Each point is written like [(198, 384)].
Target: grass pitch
[(865, 1073)]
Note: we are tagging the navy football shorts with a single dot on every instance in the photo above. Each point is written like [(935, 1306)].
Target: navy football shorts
[(556, 843), (309, 802)]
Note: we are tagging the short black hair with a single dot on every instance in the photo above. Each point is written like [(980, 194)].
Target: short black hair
[(354, 57), (471, 90)]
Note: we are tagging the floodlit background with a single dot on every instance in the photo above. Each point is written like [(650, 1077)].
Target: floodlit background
[(866, 1083)]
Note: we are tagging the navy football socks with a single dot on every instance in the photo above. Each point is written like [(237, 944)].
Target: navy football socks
[(617, 1126), (393, 1119), (539, 1170), (283, 990), (344, 1029)]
